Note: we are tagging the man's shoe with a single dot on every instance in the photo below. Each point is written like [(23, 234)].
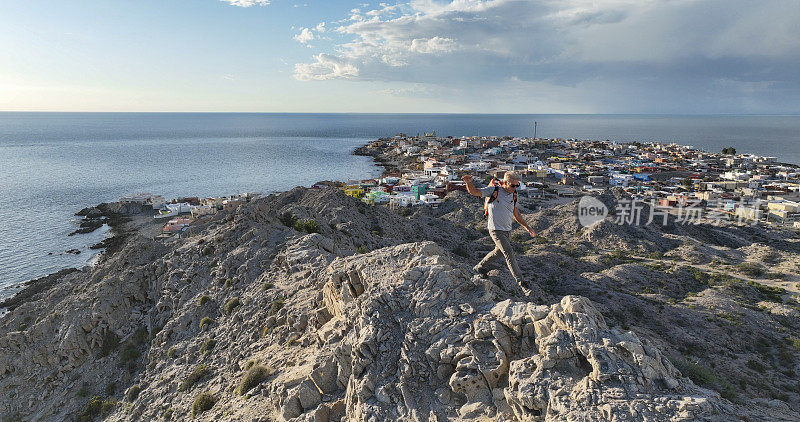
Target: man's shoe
[(479, 270)]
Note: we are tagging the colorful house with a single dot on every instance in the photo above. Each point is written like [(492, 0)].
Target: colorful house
[(354, 191)]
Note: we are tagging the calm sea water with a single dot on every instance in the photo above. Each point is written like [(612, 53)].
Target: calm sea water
[(53, 164)]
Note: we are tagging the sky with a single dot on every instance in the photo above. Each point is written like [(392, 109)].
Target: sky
[(418, 56)]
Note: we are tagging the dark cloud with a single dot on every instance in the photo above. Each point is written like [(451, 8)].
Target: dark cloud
[(625, 56)]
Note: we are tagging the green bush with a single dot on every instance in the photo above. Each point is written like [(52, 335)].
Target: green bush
[(196, 375), (110, 343), (231, 305), (111, 389), (404, 211), (208, 345), (140, 336), (361, 249), (84, 390), (287, 219), (207, 250), (308, 226), (772, 294), (172, 352), (203, 402), (702, 376), (133, 392), (96, 407), (795, 342), (751, 269), (206, 322), (254, 376), (249, 364), (268, 285), (756, 365), (276, 305), (520, 237), (128, 354), (204, 299)]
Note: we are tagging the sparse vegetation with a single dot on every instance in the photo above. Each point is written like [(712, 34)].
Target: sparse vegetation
[(772, 294), (196, 375), (128, 355), (96, 407), (203, 300), (83, 391), (795, 342), (208, 345), (734, 319), (133, 392), (307, 226), (140, 336), (110, 389), (756, 365), (268, 285), (287, 219), (702, 376), (771, 257), (207, 250), (361, 249), (206, 322), (751, 269), (249, 364), (276, 305), (231, 305), (110, 343), (172, 352), (203, 402), (254, 376)]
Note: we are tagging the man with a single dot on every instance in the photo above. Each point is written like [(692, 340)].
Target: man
[(502, 208)]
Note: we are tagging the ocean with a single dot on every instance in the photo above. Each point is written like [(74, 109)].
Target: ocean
[(54, 164)]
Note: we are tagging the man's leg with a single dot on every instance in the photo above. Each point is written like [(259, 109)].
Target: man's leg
[(494, 253), (501, 239)]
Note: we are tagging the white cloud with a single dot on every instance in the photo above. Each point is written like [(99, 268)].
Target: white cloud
[(325, 67), (320, 27), (432, 45), (247, 3), (304, 36), (673, 47)]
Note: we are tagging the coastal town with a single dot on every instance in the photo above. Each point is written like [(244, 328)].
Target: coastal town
[(692, 185)]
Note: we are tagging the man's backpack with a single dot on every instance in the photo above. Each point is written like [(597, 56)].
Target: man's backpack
[(491, 198)]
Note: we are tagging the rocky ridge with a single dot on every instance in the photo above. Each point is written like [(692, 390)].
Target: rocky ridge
[(249, 319)]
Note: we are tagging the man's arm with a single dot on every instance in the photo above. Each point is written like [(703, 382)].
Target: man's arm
[(470, 187), (522, 222)]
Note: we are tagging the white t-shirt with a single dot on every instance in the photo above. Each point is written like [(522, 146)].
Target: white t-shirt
[(501, 210)]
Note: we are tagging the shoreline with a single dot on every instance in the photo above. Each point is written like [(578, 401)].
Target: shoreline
[(105, 213)]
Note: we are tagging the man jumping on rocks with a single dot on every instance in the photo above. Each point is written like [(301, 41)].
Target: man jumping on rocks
[(502, 208)]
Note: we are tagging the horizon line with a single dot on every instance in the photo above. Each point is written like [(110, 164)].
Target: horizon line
[(402, 113)]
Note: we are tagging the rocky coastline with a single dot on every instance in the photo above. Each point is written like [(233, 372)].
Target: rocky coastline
[(371, 315)]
